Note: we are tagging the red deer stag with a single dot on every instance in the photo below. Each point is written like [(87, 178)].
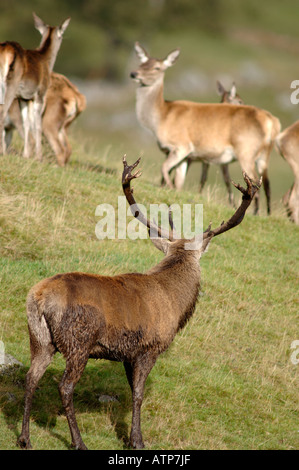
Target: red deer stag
[(130, 318), (63, 104), (231, 97), (215, 133), (288, 145), (25, 74)]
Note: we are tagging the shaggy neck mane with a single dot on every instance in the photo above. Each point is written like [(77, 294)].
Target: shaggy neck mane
[(175, 260), (183, 278)]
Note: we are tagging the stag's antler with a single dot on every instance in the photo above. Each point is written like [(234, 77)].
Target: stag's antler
[(127, 177), (156, 231), (236, 219)]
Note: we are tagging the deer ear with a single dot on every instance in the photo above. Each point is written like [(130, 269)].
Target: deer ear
[(171, 58), (141, 52), (161, 243), (63, 27), (39, 24), (233, 91), (199, 244), (220, 88)]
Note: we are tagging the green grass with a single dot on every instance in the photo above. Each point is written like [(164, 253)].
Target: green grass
[(226, 382)]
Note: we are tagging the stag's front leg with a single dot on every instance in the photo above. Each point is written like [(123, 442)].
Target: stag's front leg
[(74, 369), (141, 368)]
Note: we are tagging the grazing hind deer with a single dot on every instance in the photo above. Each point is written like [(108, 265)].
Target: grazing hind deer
[(63, 104), (25, 74), (215, 133), (288, 145), (130, 318)]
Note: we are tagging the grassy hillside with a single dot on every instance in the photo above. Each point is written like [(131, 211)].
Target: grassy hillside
[(227, 381)]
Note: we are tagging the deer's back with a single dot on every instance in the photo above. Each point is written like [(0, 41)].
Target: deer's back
[(213, 125), (118, 315)]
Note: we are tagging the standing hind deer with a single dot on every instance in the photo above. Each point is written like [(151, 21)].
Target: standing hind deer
[(131, 318), (63, 104), (215, 133), (25, 74)]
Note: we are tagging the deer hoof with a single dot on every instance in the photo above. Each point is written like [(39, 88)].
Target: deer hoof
[(79, 446), (24, 443), (136, 443)]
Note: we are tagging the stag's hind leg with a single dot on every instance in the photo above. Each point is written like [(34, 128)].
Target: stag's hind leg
[(42, 351)]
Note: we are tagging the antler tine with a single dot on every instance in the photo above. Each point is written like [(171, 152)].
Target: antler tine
[(170, 218), (236, 219), (173, 233), (209, 228), (127, 173), (250, 184), (127, 177)]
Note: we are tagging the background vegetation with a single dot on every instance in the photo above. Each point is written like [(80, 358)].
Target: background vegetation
[(253, 43), (227, 381)]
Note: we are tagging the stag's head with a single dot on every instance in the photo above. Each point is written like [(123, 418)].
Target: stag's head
[(168, 241), (150, 69)]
